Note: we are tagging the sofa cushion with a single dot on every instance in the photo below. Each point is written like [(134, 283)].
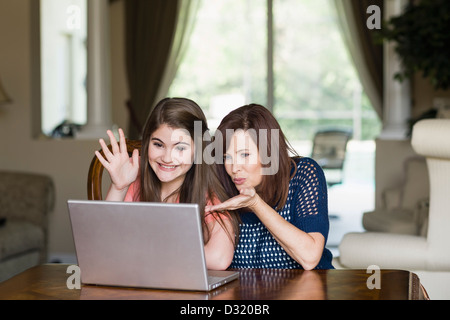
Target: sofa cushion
[(386, 250), (400, 221), (26, 196), (17, 237), (417, 184)]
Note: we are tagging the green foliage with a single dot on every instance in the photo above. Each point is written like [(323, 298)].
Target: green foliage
[(422, 37)]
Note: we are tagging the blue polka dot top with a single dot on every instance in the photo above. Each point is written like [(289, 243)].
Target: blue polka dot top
[(306, 208)]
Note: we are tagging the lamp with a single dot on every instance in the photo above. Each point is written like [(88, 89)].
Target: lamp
[(3, 96)]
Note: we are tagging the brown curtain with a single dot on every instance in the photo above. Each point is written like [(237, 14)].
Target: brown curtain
[(366, 54), (372, 52), (150, 28)]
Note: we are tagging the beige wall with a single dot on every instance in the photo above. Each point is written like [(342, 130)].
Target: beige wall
[(66, 161), (423, 95)]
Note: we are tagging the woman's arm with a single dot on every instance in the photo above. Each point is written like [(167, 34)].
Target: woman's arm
[(219, 250), (305, 248)]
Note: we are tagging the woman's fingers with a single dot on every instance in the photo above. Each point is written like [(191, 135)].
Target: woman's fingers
[(250, 192), (218, 207), (109, 156), (243, 200), (135, 158), (234, 203), (122, 141), (115, 147), (104, 162), (112, 139)]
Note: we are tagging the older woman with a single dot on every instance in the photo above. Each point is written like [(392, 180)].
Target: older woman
[(282, 200)]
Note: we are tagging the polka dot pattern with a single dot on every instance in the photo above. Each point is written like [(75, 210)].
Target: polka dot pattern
[(306, 208)]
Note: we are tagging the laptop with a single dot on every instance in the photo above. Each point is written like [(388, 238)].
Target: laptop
[(142, 244)]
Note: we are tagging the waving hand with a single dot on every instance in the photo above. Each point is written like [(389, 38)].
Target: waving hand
[(122, 168)]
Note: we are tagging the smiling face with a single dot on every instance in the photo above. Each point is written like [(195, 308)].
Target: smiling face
[(170, 155), (242, 161)]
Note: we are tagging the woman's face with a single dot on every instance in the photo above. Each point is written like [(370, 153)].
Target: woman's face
[(242, 161), (171, 154)]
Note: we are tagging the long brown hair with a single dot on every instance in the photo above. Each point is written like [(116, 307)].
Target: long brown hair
[(201, 182), (273, 188)]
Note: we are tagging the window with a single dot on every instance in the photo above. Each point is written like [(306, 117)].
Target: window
[(63, 25), (222, 67), (315, 84)]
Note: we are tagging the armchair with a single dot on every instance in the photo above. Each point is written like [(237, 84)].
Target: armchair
[(25, 202), (329, 150), (404, 208), (428, 256)]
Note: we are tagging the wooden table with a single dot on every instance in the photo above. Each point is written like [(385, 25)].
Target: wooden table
[(48, 281)]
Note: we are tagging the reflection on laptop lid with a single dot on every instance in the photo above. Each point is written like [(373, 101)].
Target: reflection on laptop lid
[(142, 244)]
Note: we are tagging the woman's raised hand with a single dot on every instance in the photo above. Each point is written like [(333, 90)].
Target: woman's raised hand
[(122, 168), (247, 198)]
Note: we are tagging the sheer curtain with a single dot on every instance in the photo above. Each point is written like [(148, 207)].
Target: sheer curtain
[(187, 12), (157, 32), (367, 56)]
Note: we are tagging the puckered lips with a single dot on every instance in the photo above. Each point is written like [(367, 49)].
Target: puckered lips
[(239, 181)]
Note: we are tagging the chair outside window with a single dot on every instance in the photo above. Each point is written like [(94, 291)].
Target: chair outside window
[(329, 150)]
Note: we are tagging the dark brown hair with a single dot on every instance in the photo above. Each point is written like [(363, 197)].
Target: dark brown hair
[(273, 188), (201, 182)]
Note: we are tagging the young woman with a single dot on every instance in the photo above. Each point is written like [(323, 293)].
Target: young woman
[(167, 171), (282, 202)]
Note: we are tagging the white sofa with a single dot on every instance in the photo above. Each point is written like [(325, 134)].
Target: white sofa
[(428, 256), (404, 208)]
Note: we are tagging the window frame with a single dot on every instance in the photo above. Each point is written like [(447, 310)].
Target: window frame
[(98, 89)]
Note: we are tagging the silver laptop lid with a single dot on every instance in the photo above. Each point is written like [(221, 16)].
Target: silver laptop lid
[(139, 244)]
